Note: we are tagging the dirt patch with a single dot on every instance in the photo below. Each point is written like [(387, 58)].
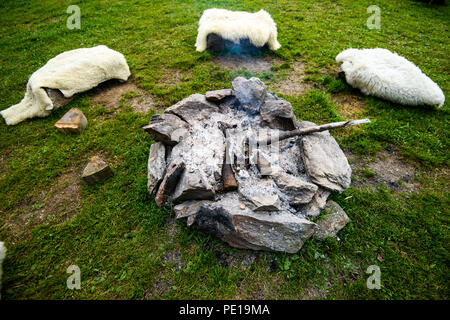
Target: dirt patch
[(386, 168), (254, 289), (172, 261), (251, 63), (159, 287), (242, 259), (64, 197), (314, 293), (292, 84), (140, 102), (173, 77), (113, 94), (348, 105), (173, 258), (172, 229), (4, 160), (55, 205)]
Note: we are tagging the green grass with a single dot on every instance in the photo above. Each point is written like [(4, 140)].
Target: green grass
[(120, 239)]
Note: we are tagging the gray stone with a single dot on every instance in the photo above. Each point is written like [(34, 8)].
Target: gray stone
[(317, 203), (324, 161), (73, 122), (244, 228), (278, 114), (218, 95), (169, 182), (193, 186), (251, 92), (265, 165), (156, 166), (261, 194), (333, 220), (265, 202), (290, 158), (189, 208), (193, 108), (190, 220), (167, 128), (298, 190), (203, 152), (96, 171), (228, 103)]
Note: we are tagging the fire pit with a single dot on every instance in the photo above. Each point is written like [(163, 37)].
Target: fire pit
[(242, 168)]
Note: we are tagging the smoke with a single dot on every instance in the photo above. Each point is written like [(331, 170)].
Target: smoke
[(225, 47)]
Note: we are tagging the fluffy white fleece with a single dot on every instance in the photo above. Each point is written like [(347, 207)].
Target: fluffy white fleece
[(258, 27), (2, 257), (384, 74), (71, 72)]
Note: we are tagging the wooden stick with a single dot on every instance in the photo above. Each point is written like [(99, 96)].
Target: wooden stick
[(309, 130), (228, 178), (169, 183), (229, 181)]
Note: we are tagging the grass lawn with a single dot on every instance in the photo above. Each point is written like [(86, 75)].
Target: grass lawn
[(128, 248)]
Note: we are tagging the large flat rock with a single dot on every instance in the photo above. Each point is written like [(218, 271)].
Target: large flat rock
[(317, 203), (97, 170), (193, 108), (250, 92), (243, 228), (156, 166), (278, 114), (73, 122), (218, 95), (298, 190), (333, 220), (261, 195), (169, 182), (167, 128), (324, 161), (189, 210), (203, 152), (193, 186)]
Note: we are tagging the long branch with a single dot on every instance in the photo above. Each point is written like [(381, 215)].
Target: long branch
[(309, 130)]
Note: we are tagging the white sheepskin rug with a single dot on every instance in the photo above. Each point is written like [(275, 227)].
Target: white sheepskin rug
[(2, 257), (258, 27), (381, 73), (71, 72)]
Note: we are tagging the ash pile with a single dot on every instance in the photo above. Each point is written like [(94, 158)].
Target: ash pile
[(219, 158)]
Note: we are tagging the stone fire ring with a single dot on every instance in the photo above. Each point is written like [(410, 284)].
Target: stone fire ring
[(250, 196)]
